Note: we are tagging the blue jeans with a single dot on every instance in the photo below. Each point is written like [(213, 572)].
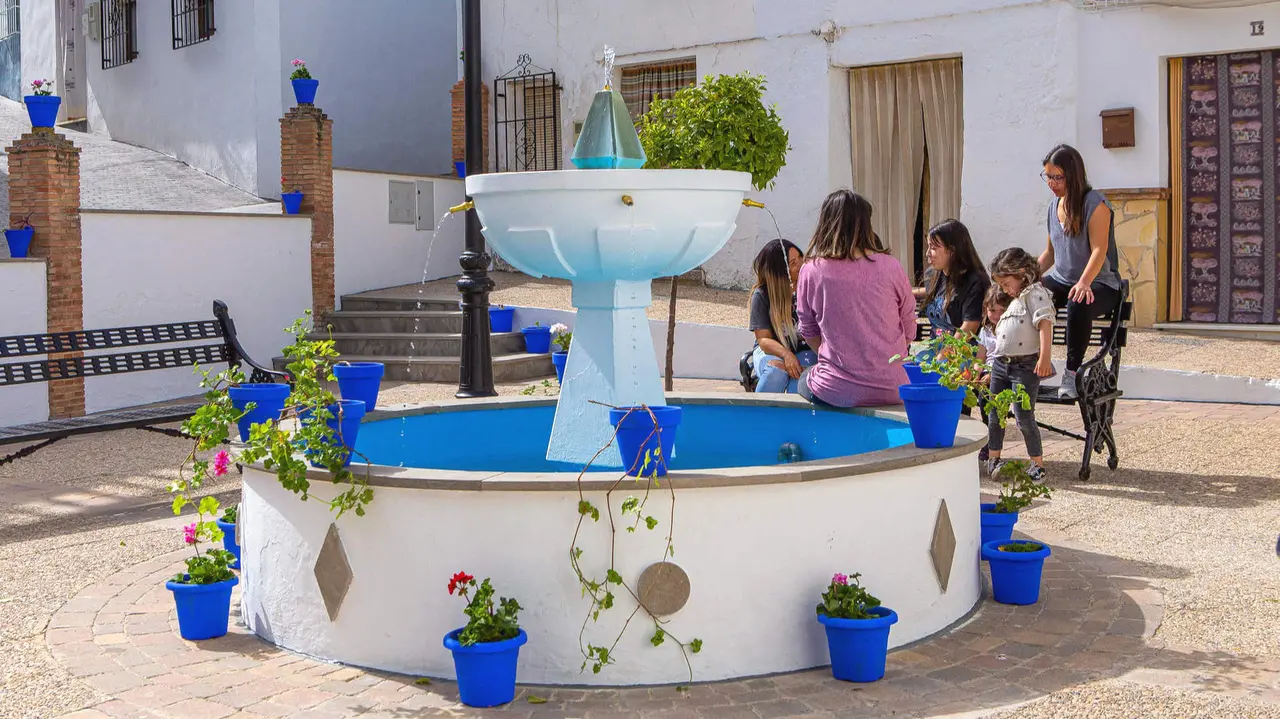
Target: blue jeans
[(775, 379)]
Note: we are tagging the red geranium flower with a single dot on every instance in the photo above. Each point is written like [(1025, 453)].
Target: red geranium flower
[(461, 579)]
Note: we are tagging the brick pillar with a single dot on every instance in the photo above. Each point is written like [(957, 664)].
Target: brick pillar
[(306, 163), (44, 180), (459, 122)]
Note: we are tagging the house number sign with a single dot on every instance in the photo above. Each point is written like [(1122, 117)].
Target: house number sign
[(1258, 28)]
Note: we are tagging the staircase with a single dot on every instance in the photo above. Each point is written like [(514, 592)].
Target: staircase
[(421, 340)]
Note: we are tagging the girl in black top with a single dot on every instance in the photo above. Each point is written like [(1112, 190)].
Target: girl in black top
[(959, 282)]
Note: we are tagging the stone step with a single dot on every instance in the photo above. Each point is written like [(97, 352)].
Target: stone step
[(368, 301), (395, 321), (422, 344), (506, 368)]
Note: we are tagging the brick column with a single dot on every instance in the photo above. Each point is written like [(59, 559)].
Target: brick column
[(44, 180), (459, 124), (306, 163)]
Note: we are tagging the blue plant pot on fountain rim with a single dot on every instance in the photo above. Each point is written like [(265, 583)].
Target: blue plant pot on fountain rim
[(559, 359), (996, 526), (229, 542), (637, 436), (19, 241), (304, 90), (268, 398), (919, 376), (1015, 576), (500, 318), (360, 380), (486, 671), (203, 609), (345, 423), (292, 202), (537, 339), (42, 109), (933, 412), (859, 647)]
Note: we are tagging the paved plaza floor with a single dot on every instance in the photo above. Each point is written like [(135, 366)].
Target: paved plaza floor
[(1162, 599)]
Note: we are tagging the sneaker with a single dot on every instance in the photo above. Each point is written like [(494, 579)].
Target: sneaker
[(984, 453), (993, 467), (1068, 388), (1037, 473)]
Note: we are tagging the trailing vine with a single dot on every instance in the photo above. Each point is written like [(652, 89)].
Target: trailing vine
[(631, 516)]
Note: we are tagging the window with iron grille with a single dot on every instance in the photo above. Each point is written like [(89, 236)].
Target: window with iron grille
[(192, 22), (527, 119), (9, 19), (641, 83), (119, 32)]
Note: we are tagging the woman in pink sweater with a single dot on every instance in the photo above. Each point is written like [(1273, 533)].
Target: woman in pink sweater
[(856, 309)]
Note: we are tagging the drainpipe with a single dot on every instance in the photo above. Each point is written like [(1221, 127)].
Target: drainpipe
[(475, 378)]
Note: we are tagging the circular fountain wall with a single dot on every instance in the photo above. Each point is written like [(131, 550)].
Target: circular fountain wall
[(757, 540)]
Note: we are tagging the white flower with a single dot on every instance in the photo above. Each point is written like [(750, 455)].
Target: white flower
[(559, 328)]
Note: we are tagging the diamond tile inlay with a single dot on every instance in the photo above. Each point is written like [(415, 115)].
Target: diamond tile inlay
[(663, 588), (333, 572), (942, 550)]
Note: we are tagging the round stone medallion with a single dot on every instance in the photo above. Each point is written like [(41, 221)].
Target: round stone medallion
[(663, 588)]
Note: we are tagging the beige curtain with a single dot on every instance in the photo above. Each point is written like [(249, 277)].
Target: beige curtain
[(942, 102), (888, 150)]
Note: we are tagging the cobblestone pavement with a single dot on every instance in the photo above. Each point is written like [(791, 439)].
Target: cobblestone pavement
[(1115, 634), (118, 176)]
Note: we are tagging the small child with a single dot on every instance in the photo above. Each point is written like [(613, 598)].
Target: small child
[(1023, 342), (993, 307)]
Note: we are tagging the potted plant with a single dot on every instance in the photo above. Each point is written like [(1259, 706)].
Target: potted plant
[(537, 339), (304, 86), (1016, 568), (19, 238), (257, 402), (646, 437), (500, 318), (1017, 490), (857, 629), (292, 200), (360, 381), (487, 650), (42, 104), (561, 336), (227, 522)]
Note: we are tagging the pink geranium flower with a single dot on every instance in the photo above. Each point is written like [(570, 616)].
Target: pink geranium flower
[(189, 533), (840, 579), (220, 463)]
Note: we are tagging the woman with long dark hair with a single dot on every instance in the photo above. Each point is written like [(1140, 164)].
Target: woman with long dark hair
[(780, 354), (1079, 262), (959, 282), (855, 307)]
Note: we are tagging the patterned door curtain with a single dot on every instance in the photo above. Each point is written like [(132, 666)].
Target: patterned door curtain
[(1230, 212)]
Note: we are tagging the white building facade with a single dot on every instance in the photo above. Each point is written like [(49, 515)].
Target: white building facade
[(1018, 77), (206, 81)]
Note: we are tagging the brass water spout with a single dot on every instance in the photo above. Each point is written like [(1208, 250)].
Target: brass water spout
[(468, 205), (628, 201), (747, 202)]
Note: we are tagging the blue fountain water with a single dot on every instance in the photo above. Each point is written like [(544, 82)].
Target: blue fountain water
[(710, 436)]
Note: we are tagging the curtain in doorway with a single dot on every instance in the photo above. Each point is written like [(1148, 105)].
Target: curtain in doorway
[(942, 100), (640, 83), (1230, 214)]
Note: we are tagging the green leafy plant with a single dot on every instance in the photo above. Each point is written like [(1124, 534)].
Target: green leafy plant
[(1021, 547), (545, 387), (955, 359), (720, 124), (231, 514), (300, 71), (485, 621), (561, 335), (1017, 488), (845, 598), (631, 515), (302, 436)]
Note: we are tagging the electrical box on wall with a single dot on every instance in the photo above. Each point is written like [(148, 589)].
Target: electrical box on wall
[(1117, 128), (426, 205), (93, 21), (401, 203)]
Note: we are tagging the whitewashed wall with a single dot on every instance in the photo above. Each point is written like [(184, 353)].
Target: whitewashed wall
[(39, 59), (144, 268), (23, 311), (371, 253)]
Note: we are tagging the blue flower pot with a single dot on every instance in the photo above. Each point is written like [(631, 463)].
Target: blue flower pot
[(919, 376), (292, 202), (345, 424), (360, 380), (934, 413), (637, 436), (559, 359), (304, 90), (19, 241), (42, 109), (500, 318), (203, 609), (537, 340), (1015, 576), (859, 647), (996, 526), (229, 541), (461, 169), (486, 671), (268, 399)]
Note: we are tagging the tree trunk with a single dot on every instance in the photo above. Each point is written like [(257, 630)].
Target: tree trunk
[(671, 334)]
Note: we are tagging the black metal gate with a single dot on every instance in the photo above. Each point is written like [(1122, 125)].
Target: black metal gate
[(10, 50), (526, 112)]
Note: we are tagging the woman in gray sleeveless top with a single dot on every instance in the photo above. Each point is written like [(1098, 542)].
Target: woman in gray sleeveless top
[(1079, 263)]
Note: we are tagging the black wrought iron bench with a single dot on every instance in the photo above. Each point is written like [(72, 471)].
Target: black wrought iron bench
[(1097, 380), (226, 349)]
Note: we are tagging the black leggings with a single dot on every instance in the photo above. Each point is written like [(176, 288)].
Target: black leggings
[(1080, 317)]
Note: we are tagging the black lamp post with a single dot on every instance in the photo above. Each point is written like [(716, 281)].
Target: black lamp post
[(475, 378)]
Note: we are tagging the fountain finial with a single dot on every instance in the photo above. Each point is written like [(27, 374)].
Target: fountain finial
[(609, 55), (608, 139)]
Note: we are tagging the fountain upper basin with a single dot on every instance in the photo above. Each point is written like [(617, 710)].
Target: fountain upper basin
[(575, 225)]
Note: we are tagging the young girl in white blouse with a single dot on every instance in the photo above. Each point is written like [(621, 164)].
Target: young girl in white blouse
[(1022, 354)]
